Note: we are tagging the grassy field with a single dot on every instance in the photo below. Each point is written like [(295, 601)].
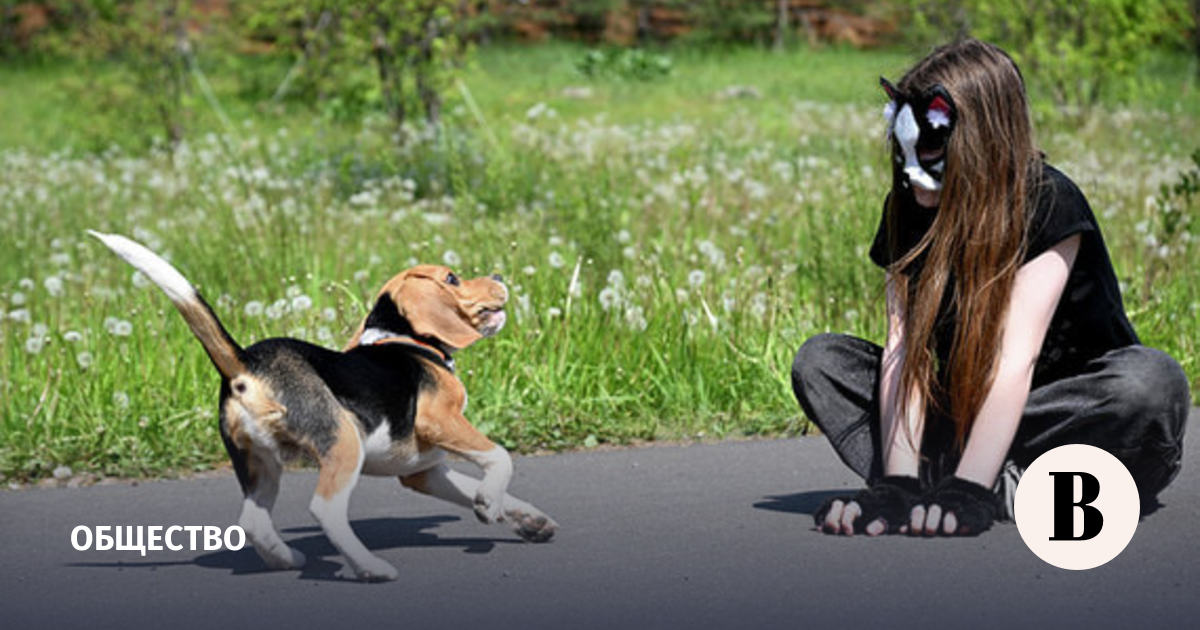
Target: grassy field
[(668, 249)]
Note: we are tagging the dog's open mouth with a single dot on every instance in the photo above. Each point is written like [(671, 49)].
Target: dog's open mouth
[(491, 320)]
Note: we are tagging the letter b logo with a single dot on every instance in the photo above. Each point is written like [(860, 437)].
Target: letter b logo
[(1077, 507), (1064, 506)]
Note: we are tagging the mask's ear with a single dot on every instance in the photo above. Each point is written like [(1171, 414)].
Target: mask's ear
[(941, 111), (891, 90), (434, 313)]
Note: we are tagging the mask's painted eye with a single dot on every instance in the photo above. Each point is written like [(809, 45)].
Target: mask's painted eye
[(452, 280)]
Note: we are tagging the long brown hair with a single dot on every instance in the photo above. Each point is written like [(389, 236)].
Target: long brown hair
[(976, 242)]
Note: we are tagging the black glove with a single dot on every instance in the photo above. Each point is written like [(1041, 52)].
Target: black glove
[(890, 498), (975, 507)]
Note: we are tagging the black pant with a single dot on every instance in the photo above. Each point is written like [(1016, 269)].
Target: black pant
[(1132, 402)]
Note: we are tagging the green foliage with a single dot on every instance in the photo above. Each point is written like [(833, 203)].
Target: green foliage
[(624, 63), (151, 44), (351, 57), (1078, 49)]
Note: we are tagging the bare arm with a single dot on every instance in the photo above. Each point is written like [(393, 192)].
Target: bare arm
[(901, 437), (1036, 291)]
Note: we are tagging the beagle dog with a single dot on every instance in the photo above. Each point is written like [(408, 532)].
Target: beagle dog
[(389, 404)]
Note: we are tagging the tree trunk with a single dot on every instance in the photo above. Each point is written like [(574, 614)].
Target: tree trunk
[(781, 23), (426, 84)]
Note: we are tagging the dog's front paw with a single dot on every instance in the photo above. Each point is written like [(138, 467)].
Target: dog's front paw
[(375, 570), (535, 528), (487, 509)]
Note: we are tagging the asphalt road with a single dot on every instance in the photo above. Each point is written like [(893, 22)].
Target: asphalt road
[(664, 537)]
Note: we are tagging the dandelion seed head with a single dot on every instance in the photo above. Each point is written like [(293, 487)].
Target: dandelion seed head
[(139, 280), (34, 345), (451, 258), (277, 309), (17, 298), (301, 303), (72, 336), (253, 308), (84, 359), (695, 278), (329, 314), (609, 298), (556, 260), (54, 285), (121, 400)]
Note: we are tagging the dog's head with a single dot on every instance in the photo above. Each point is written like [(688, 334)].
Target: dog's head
[(434, 303)]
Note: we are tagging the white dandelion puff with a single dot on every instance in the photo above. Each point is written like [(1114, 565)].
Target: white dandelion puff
[(529, 270), (451, 258), (84, 359), (72, 336), (17, 298), (54, 285), (139, 280), (277, 309), (616, 278), (20, 315), (695, 278), (121, 400), (609, 298), (253, 308), (34, 345), (329, 314), (556, 260), (301, 303), (25, 284)]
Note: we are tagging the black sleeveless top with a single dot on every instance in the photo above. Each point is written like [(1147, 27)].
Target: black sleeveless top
[(1090, 319)]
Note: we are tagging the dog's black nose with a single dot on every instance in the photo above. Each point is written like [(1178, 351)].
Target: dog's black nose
[(497, 277)]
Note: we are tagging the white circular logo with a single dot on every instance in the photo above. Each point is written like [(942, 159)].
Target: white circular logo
[(1077, 507)]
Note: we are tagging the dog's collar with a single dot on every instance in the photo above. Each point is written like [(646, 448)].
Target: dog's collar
[(377, 337)]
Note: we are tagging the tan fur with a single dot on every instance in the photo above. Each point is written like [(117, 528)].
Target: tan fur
[(208, 331), (440, 420), (340, 463), (257, 400), (415, 482)]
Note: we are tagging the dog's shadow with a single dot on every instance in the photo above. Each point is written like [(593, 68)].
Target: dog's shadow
[(375, 533), (799, 502)]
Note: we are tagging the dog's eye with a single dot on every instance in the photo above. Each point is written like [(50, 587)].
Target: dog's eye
[(452, 280)]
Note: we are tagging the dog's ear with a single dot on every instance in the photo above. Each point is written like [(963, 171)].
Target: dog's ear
[(435, 313)]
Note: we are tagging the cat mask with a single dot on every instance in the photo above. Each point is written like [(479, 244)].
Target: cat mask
[(919, 123)]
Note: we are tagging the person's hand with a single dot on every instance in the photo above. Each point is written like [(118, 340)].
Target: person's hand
[(884, 507), (954, 507)]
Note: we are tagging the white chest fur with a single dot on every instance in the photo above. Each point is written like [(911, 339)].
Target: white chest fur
[(384, 457)]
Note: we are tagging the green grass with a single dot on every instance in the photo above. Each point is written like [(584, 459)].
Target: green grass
[(738, 228)]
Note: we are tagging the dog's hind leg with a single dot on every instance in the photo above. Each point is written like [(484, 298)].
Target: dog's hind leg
[(258, 473), (450, 485), (263, 486), (340, 466)]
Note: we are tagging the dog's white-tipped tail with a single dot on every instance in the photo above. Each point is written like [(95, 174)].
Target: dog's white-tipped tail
[(225, 353)]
